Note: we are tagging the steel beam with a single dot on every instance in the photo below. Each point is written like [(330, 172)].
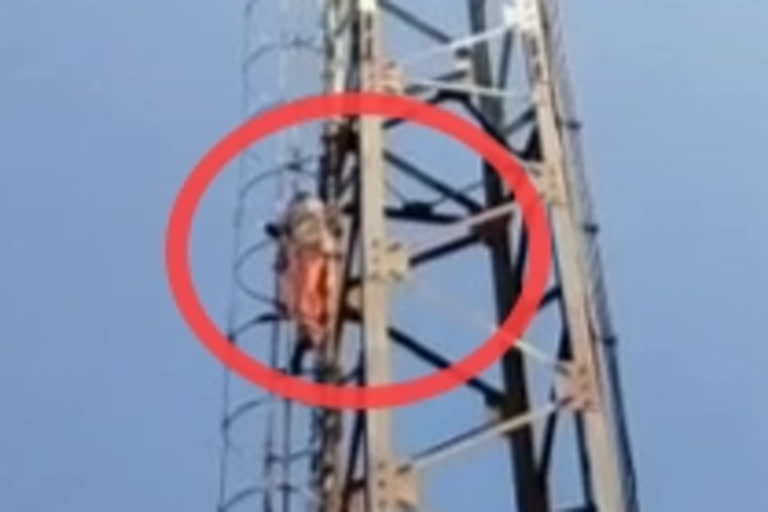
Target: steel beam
[(605, 469), (375, 285), (530, 490)]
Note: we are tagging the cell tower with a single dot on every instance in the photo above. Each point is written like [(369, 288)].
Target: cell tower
[(553, 405)]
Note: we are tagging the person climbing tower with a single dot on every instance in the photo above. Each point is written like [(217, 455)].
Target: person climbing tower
[(307, 273)]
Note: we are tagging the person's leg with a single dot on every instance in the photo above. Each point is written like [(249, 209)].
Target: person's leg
[(303, 344)]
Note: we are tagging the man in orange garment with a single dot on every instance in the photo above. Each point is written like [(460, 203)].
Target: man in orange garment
[(307, 273)]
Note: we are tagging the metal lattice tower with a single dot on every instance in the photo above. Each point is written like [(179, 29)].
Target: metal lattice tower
[(554, 402)]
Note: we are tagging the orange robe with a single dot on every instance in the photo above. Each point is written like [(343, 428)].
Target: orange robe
[(307, 291)]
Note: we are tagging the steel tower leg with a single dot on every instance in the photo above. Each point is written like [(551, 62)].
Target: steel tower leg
[(375, 285), (601, 443)]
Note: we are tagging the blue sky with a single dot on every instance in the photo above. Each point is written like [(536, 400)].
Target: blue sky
[(109, 403)]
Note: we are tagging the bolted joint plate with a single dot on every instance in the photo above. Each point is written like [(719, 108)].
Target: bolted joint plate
[(407, 487), (387, 77), (391, 262), (405, 492), (399, 261), (578, 387)]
